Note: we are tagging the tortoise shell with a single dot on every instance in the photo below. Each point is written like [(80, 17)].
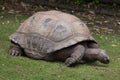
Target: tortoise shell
[(49, 31)]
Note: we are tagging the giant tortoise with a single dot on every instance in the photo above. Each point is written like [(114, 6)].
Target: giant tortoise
[(55, 35)]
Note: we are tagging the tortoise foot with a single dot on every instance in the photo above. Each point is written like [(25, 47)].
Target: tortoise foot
[(15, 51), (70, 61), (81, 62)]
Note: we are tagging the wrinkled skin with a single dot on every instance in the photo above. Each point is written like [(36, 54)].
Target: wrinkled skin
[(80, 53)]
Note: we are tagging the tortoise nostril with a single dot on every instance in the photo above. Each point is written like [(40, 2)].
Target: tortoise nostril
[(107, 61)]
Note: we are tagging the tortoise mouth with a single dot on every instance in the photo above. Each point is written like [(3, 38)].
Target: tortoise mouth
[(105, 61)]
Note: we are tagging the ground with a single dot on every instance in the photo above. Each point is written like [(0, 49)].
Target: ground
[(23, 68)]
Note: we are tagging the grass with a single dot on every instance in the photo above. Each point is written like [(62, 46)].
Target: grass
[(23, 68)]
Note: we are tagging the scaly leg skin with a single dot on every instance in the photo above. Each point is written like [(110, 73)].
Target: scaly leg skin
[(15, 51), (77, 55)]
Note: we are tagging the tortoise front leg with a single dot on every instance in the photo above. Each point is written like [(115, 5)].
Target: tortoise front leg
[(16, 51), (77, 55)]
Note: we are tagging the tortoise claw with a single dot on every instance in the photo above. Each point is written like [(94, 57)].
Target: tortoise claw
[(69, 62), (15, 51)]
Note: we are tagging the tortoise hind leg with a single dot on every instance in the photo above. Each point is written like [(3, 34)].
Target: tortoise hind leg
[(77, 55), (16, 51)]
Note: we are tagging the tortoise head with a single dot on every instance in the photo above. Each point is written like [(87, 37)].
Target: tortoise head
[(103, 57)]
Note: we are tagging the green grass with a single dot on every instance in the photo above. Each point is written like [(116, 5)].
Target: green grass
[(23, 68)]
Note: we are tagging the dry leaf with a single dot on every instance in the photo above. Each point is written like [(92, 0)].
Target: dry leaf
[(8, 22), (106, 21), (3, 23), (113, 45), (119, 23)]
